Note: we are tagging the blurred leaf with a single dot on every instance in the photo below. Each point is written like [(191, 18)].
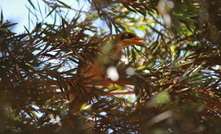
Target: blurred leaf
[(162, 97)]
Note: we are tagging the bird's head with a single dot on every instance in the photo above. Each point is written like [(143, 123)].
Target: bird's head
[(121, 41), (129, 39)]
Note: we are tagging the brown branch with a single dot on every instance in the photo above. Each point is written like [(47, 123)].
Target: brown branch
[(122, 92)]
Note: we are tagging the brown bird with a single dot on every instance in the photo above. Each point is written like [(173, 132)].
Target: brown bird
[(110, 51)]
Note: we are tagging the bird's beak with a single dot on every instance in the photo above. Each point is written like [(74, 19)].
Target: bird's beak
[(138, 39)]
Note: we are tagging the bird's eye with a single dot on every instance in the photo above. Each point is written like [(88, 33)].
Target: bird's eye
[(127, 36)]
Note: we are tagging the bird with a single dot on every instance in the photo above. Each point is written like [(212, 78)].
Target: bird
[(109, 51)]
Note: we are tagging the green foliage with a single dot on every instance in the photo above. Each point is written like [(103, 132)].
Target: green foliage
[(175, 86)]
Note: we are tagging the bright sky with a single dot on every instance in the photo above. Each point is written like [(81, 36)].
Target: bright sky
[(16, 11)]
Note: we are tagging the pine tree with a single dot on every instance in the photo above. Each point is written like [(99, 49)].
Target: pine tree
[(169, 85)]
